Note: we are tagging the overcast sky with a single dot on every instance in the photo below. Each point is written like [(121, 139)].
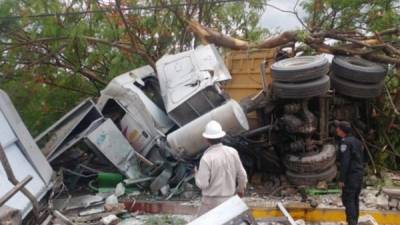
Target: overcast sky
[(274, 19)]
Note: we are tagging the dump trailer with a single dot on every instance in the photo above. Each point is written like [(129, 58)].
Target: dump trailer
[(300, 98)]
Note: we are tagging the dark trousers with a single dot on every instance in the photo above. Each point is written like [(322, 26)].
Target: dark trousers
[(350, 199)]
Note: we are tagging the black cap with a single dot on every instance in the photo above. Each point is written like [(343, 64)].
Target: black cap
[(344, 126)]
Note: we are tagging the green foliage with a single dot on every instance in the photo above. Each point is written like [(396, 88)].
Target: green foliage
[(164, 220), (39, 104), (302, 35), (388, 135), (375, 15), (367, 17), (48, 64)]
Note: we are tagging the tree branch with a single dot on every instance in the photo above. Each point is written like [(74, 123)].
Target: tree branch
[(66, 88), (315, 41), (140, 50), (207, 35), (291, 12)]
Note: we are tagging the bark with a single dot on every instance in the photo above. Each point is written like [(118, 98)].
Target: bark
[(206, 35), (371, 47), (275, 41)]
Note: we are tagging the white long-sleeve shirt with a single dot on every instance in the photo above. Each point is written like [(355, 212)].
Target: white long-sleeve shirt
[(220, 172)]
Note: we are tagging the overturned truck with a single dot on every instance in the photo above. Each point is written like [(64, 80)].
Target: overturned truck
[(148, 124)]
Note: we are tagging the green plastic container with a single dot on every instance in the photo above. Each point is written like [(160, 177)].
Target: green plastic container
[(108, 179)]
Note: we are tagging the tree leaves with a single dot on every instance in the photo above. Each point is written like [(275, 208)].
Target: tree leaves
[(60, 47)]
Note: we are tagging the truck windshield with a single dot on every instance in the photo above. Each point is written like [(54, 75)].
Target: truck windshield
[(151, 89)]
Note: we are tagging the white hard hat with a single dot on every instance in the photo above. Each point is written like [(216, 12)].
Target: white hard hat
[(213, 130)]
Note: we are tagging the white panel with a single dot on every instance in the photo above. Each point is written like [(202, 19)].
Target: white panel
[(208, 58), (179, 71), (223, 214), (162, 120), (109, 140), (7, 136), (21, 168), (178, 95), (184, 74)]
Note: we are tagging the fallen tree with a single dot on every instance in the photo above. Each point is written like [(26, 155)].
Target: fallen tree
[(371, 47)]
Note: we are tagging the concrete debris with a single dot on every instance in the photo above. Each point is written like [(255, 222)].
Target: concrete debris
[(110, 220), (156, 219), (367, 220), (393, 203), (119, 190), (10, 216), (369, 197), (382, 201), (112, 200), (372, 180), (323, 185)]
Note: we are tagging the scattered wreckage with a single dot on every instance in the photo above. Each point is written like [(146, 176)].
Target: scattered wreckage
[(148, 125)]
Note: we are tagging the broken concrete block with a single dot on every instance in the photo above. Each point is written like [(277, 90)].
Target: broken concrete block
[(110, 220), (372, 180), (112, 200), (165, 190), (119, 189), (10, 216), (367, 220), (369, 200), (393, 203), (369, 197), (322, 185), (382, 201)]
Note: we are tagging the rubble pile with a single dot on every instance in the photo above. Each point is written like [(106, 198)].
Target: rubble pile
[(141, 140)]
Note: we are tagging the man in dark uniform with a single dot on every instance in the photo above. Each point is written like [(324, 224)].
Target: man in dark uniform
[(351, 170)]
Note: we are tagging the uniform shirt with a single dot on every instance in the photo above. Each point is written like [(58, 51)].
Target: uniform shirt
[(220, 168), (351, 161)]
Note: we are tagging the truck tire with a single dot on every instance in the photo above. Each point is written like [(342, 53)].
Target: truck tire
[(300, 69), (301, 90), (356, 90), (358, 69), (313, 163), (309, 179)]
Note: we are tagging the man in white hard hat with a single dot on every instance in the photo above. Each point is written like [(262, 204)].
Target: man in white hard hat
[(221, 174)]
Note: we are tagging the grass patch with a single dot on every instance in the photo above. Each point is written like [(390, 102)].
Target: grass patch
[(165, 220)]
